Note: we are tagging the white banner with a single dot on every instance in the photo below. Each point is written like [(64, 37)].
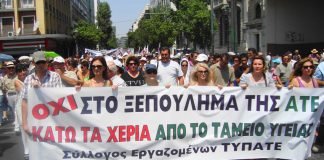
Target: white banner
[(175, 123)]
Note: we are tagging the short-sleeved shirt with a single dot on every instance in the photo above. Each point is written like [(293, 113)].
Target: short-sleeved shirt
[(247, 79), (168, 73), (222, 76), (131, 81), (51, 79), (116, 80), (8, 83), (283, 72), (319, 72), (69, 74)]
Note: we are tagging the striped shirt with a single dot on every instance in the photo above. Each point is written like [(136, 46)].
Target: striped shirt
[(51, 79)]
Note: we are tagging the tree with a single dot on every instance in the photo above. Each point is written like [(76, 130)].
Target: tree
[(87, 35), (105, 25), (156, 29), (193, 20)]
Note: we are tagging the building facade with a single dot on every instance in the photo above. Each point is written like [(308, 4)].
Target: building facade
[(156, 3), (268, 25), (29, 25)]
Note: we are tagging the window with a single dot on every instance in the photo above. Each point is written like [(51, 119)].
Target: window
[(257, 11), (27, 3), (7, 25), (28, 24), (6, 4)]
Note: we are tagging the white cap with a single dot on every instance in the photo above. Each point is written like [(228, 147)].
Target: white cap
[(21, 58), (59, 59), (231, 53), (202, 57), (143, 59)]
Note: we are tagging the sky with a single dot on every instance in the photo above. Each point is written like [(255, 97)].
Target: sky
[(124, 13)]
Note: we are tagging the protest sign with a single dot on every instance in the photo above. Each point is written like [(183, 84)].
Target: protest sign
[(175, 123)]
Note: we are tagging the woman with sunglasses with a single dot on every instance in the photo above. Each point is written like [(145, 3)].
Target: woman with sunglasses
[(98, 73), (185, 70), (303, 77), (200, 75), (303, 74), (133, 76)]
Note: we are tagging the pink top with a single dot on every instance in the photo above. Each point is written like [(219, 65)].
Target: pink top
[(315, 85)]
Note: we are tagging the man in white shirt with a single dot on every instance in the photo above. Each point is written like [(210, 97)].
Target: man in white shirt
[(169, 72)]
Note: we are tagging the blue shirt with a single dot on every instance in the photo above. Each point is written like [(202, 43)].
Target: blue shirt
[(319, 72)]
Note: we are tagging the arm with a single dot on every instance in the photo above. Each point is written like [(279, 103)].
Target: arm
[(320, 83), (18, 86), (294, 82), (24, 115), (69, 80)]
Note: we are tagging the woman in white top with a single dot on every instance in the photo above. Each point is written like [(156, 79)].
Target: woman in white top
[(21, 71), (258, 75)]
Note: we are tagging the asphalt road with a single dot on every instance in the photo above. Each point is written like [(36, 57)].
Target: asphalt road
[(11, 146)]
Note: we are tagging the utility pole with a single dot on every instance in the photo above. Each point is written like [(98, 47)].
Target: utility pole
[(212, 26), (234, 25)]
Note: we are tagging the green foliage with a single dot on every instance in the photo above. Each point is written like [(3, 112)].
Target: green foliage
[(161, 25), (112, 43), (157, 29), (193, 20), (105, 24), (87, 35)]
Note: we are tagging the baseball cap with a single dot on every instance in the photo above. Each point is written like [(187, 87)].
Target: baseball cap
[(150, 67), (202, 57), (59, 59), (22, 58), (10, 64), (39, 56)]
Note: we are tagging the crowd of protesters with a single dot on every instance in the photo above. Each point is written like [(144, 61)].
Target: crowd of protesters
[(186, 69)]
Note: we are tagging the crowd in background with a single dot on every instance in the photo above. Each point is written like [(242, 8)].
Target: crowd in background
[(162, 69)]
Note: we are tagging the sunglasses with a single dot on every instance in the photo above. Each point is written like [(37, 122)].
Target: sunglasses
[(132, 64), (151, 71), (96, 66), (41, 62), (203, 72), (308, 67)]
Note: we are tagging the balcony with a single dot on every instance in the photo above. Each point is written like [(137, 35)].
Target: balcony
[(27, 4), (6, 5)]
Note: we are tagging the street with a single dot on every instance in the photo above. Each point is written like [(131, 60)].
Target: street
[(11, 146)]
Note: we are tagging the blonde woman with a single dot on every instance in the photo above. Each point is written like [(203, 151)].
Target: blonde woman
[(200, 75)]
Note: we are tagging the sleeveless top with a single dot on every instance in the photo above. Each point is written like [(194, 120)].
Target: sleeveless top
[(302, 85)]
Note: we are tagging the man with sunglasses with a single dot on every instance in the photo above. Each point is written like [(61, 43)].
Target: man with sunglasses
[(42, 77)]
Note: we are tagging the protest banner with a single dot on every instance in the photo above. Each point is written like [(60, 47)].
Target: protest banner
[(175, 123)]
